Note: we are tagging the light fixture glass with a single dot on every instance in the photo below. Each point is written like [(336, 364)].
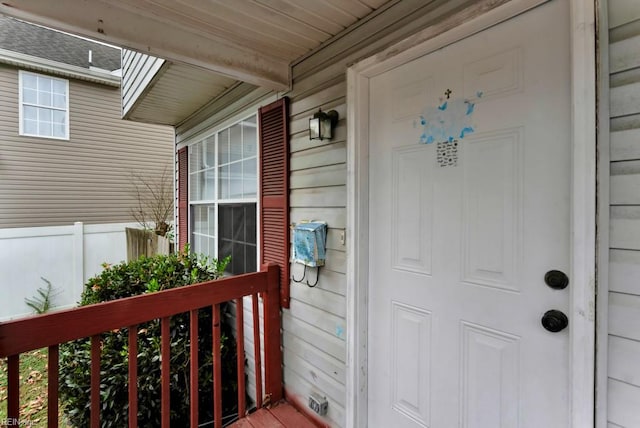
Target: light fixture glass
[(314, 128), (321, 125)]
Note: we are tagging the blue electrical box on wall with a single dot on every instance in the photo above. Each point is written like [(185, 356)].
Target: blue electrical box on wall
[(309, 241)]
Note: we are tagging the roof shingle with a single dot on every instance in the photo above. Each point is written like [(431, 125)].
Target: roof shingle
[(19, 36)]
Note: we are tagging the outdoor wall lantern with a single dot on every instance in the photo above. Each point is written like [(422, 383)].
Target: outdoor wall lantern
[(321, 125)]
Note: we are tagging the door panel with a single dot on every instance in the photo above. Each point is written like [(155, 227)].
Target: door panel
[(412, 204), (410, 377), (462, 231), (490, 377), (492, 209)]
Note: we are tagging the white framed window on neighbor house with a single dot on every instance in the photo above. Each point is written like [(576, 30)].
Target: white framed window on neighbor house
[(44, 106), (223, 195)]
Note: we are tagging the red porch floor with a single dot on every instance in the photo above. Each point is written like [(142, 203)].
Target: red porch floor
[(282, 415)]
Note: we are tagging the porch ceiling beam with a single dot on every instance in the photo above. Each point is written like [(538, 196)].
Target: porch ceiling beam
[(144, 27)]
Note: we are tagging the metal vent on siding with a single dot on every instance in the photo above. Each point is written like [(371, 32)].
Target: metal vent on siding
[(274, 189)]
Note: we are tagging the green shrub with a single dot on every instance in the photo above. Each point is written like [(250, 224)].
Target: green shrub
[(129, 279)]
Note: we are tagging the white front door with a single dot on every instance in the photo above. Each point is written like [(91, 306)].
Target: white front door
[(463, 232)]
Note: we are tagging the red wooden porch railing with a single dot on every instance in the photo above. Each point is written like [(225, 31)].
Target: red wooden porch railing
[(51, 330)]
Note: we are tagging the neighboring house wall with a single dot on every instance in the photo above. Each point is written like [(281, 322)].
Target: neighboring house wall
[(48, 182), (315, 325), (624, 267)]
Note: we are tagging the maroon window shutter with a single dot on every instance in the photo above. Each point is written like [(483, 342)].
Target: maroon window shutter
[(274, 190), (183, 197)]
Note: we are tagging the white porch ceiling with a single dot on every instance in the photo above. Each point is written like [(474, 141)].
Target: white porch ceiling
[(254, 41)]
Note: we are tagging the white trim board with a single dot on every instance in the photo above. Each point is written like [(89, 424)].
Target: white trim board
[(603, 217), (472, 20)]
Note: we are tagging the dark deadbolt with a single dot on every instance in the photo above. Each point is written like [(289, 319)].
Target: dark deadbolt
[(556, 279), (554, 321)]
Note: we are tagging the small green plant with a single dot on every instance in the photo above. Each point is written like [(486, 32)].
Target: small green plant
[(41, 302), (147, 275)]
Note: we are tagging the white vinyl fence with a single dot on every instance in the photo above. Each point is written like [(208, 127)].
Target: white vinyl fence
[(67, 256)]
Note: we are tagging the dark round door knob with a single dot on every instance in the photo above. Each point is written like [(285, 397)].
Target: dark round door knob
[(556, 279), (554, 321)]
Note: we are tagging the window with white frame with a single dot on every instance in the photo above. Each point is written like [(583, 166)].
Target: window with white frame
[(44, 106), (223, 184)]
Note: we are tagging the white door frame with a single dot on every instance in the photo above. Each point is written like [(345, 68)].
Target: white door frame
[(467, 22)]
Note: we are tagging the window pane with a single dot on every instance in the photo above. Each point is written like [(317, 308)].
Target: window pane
[(236, 143), (44, 129), (223, 147), (210, 152), (237, 258), (209, 190), (203, 229), (250, 178), (235, 185), (195, 184), (201, 186), (196, 246), (239, 221), (225, 215), (59, 116), (250, 223), (59, 87), (211, 248), (30, 113), (200, 220), (59, 130), (45, 115), (44, 98), (59, 101), (250, 259), (249, 138), (30, 96), (44, 84), (195, 155), (30, 127), (29, 81), (223, 184)]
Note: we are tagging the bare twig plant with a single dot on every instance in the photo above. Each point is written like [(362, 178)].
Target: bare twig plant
[(154, 200)]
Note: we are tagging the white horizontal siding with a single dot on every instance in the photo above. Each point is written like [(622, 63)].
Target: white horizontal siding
[(622, 12), (623, 404), (625, 100), (623, 371), (623, 55), (624, 271), (46, 182), (624, 315), (334, 175), (623, 365), (138, 70), (625, 144)]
